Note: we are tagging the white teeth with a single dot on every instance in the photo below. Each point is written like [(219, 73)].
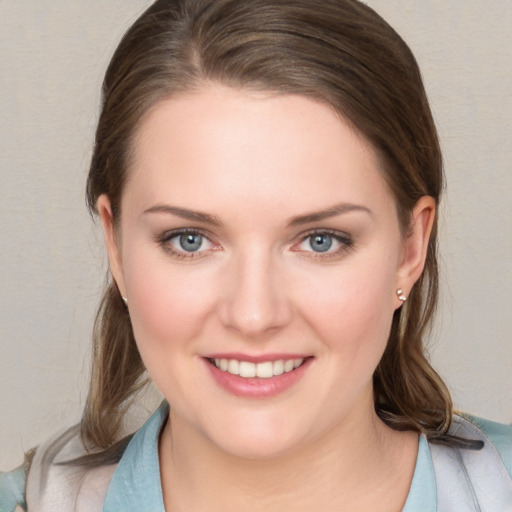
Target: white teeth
[(264, 370), (278, 367), (234, 367), (288, 366), (247, 369)]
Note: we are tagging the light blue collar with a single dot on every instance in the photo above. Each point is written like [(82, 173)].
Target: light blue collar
[(136, 485), (423, 491)]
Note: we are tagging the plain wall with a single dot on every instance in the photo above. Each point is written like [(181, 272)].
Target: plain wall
[(52, 267)]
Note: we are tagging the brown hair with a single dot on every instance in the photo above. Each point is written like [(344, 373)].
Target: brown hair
[(339, 52)]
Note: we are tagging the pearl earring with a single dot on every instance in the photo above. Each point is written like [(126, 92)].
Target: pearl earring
[(125, 300), (401, 295)]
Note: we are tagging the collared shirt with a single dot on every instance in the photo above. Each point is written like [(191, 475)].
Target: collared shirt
[(135, 484)]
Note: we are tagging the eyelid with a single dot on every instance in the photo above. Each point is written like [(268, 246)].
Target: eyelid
[(164, 238), (344, 239), (335, 233)]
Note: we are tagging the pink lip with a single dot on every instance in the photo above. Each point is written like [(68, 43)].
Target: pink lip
[(255, 387)]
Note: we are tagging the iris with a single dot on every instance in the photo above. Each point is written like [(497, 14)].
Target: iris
[(321, 242), (191, 242)]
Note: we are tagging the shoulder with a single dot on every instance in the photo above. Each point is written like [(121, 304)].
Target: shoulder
[(52, 483), (499, 434), (478, 473)]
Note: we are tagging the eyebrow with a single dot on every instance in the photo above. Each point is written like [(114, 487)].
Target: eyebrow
[(185, 213), (332, 211), (299, 220)]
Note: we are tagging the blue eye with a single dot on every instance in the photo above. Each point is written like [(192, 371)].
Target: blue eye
[(190, 242), (324, 245), (186, 243), (321, 242)]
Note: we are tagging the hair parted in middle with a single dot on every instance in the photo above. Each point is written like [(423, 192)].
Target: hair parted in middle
[(338, 52)]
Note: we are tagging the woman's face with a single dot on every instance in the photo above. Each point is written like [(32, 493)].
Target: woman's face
[(260, 252)]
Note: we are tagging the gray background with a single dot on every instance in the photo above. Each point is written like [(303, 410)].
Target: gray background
[(52, 265)]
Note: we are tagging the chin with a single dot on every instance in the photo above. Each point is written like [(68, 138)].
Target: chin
[(253, 438)]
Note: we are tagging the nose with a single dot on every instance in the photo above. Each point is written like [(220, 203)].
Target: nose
[(255, 301)]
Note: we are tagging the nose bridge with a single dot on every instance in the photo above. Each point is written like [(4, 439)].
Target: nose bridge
[(256, 301)]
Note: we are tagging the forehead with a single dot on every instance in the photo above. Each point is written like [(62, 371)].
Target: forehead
[(230, 143)]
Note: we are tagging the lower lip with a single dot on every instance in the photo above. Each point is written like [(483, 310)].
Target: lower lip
[(257, 387)]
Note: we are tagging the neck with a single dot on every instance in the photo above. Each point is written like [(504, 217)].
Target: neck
[(351, 467)]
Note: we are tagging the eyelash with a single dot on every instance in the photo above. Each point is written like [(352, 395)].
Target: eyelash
[(345, 241), (346, 244), (165, 239)]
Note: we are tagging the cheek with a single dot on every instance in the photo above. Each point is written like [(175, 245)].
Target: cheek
[(352, 308), (166, 300), (169, 309)]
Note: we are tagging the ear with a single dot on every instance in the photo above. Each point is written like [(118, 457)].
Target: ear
[(416, 243), (113, 250)]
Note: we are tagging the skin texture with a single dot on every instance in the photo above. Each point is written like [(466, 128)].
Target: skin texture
[(256, 164)]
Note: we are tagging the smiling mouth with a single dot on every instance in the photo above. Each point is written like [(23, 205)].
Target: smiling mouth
[(263, 370)]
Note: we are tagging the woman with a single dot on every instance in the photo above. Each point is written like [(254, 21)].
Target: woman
[(267, 175)]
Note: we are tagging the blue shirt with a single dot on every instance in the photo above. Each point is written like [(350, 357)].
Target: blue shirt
[(136, 486)]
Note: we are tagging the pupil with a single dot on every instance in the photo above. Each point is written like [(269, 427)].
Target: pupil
[(191, 242), (321, 243)]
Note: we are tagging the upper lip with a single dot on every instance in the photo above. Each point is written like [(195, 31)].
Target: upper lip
[(261, 358)]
